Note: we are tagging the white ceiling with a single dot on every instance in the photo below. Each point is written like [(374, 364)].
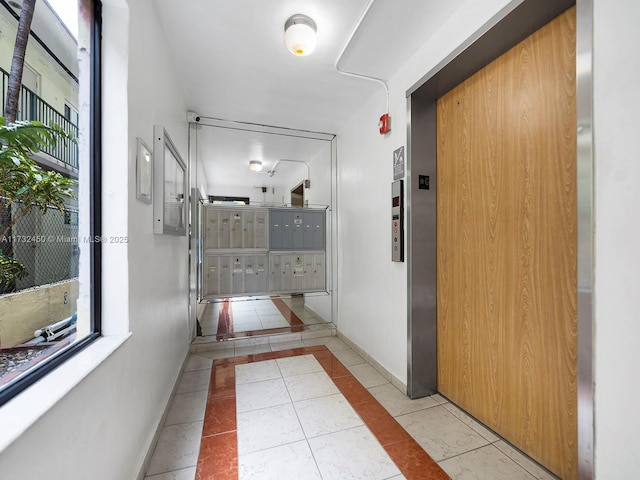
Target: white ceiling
[(226, 154), (233, 65)]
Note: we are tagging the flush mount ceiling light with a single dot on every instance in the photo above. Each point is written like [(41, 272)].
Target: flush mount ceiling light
[(255, 165), (300, 34)]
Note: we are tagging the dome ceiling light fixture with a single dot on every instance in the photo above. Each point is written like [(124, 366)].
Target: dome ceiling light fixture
[(300, 34), (255, 165)]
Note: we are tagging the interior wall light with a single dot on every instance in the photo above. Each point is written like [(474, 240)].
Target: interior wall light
[(255, 165), (300, 34)]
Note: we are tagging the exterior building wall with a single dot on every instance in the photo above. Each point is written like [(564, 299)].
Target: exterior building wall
[(56, 86)]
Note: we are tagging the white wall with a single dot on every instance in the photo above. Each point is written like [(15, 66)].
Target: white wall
[(617, 282), (103, 427), (372, 288)]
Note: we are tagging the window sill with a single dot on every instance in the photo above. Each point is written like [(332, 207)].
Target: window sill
[(21, 412)]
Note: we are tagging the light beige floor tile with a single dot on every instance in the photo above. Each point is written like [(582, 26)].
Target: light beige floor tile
[(439, 399), (245, 317), (177, 448), (267, 428), (208, 344), (276, 323), (257, 372), (243, 307), (367, 375), (349, 357), (286, 345), (440, 433), (293, 461), (310, 385), (182, 474), (262, 311), (247, 325), (397, 403), (197, 362), (312, 333), (324, 415), (352, 454), (268, 393), (312, 321), (250, 341), (273, 318), (312, 342), (298, 365), (251, 350), (217, 354), (487, 463), (209, 331), (303, 313), (472, 423), (336, 344), (525, 462), (187, 408), (285, 337), (194, 381)]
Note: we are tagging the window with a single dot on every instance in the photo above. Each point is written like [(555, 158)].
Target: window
[(50, 263), (70, 113)]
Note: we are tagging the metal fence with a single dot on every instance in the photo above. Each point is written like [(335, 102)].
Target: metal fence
[(46, 243)]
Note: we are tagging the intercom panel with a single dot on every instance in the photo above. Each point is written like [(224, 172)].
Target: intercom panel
[(397, 221)]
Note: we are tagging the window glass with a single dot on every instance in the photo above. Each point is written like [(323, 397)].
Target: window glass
[(48, 213)]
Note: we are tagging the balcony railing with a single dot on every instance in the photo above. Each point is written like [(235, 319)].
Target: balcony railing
[(32, 107)]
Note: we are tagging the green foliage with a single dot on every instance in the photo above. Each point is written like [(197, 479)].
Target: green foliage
[(10, 271), (23, 180)]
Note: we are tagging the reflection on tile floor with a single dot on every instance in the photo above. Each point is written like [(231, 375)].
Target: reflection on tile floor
[(301, 413), (242, 316)]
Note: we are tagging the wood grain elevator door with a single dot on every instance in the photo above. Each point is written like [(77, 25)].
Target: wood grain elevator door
[(506, 241)]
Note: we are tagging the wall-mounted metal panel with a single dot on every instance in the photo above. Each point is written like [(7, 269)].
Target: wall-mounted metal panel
[(225, 274), (260, 229), (275, 230), (224, 229), (296, 272), (287, 230), (235, 256), (297, 229), (421, 250), (236, 229)]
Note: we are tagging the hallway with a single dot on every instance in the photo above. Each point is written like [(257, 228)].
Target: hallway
[(284, 407)]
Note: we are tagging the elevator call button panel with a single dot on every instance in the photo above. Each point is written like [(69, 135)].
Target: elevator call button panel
[(397, 221)]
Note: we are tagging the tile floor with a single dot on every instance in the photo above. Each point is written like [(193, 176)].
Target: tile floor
[(277, 413), (292, 421), (244, 316)]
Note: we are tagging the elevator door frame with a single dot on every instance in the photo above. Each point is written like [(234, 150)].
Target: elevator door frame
[(507, 28)]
